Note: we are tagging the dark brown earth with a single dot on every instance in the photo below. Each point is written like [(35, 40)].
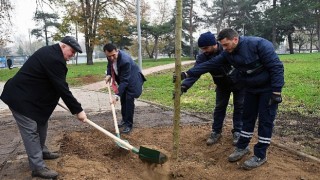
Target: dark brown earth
[(89, 154)]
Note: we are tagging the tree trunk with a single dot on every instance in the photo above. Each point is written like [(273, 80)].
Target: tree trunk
[(311, 40), (177, 86), (318, 27), (191, 29), (274, 30), (46, 35), (290, 43), (318, 32), (155, 48)]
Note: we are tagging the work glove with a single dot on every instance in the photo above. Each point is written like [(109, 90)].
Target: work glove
[(275, 99), (183, 90), (183, 76), (107, 79)]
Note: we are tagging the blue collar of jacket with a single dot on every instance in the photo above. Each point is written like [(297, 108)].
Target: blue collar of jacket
[(236, 49)]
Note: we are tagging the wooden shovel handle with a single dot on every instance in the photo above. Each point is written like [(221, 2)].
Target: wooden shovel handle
[(122, 142), (115, 122), (115, 138)]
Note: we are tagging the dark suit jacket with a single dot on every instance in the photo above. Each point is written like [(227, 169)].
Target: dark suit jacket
[(130, 78), (36, 88)]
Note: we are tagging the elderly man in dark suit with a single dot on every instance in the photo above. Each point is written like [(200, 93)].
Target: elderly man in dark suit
[(126, 73), (32, 95)]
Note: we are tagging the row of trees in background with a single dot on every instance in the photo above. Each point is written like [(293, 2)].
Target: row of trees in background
[(102, 21)]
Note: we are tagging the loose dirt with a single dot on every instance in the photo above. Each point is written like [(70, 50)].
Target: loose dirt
[(89, 154)]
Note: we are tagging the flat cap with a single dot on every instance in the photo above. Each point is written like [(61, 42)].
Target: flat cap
[(72, 42)]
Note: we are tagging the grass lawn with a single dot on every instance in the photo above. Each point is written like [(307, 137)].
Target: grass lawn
[(84, 74), (301, 92)]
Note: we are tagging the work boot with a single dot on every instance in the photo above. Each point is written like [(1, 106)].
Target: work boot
[(50, 155), (238, 154), (236, 136), (121, 124), (253, 162), (45, 173), (127, 130), (214, 137)]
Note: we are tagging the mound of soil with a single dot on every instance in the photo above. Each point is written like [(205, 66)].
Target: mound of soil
[(89, 154)]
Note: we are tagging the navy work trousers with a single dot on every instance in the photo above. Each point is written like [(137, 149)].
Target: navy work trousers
[(257, 105), (222, 101)]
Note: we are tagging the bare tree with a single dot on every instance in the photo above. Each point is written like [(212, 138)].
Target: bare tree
[(5, 21)]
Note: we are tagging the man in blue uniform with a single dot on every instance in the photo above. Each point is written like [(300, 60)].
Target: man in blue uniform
[(210, 48), (123, 70), (262, 74)]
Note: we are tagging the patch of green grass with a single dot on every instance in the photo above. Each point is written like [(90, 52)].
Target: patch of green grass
[(82, 74), (301, 92), (200, 98)]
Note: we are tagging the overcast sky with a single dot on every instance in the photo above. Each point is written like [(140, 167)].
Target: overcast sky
[(24, 12)]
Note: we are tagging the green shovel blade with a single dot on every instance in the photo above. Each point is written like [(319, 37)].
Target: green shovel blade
[(152, 156)]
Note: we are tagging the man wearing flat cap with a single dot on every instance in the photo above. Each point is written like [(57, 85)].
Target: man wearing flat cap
[(32, 95), (224, 87)]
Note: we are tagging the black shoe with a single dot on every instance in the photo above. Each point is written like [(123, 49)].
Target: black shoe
[(50, 155), (127, 130), (122, 124), (45, 173)]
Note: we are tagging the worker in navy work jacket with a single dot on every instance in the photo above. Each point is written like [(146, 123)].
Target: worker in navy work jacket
[(32, 95), (262, 74), (129, 79), (210, 48)]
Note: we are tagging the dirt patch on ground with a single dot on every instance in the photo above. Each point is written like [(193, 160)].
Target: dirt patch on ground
[(87, 79), (89, 154)]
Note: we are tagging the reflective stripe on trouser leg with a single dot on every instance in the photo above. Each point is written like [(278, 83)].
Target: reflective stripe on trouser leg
[(249, 117), (31, 140), (267, 114)]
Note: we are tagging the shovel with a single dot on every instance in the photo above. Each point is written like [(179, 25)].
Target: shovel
[(145, 154), (114, 117)]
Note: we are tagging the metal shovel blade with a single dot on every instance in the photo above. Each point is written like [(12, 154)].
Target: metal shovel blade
[(152, 156)]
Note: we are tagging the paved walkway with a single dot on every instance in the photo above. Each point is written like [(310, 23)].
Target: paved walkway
[(102, 84)]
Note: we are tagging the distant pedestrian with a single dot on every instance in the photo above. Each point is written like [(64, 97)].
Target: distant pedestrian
[(32, 95), (9, 62), (125, 72)]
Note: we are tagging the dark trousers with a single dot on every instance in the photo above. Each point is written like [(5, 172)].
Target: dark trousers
[(257, 105), (219, 113), (127, 109)]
